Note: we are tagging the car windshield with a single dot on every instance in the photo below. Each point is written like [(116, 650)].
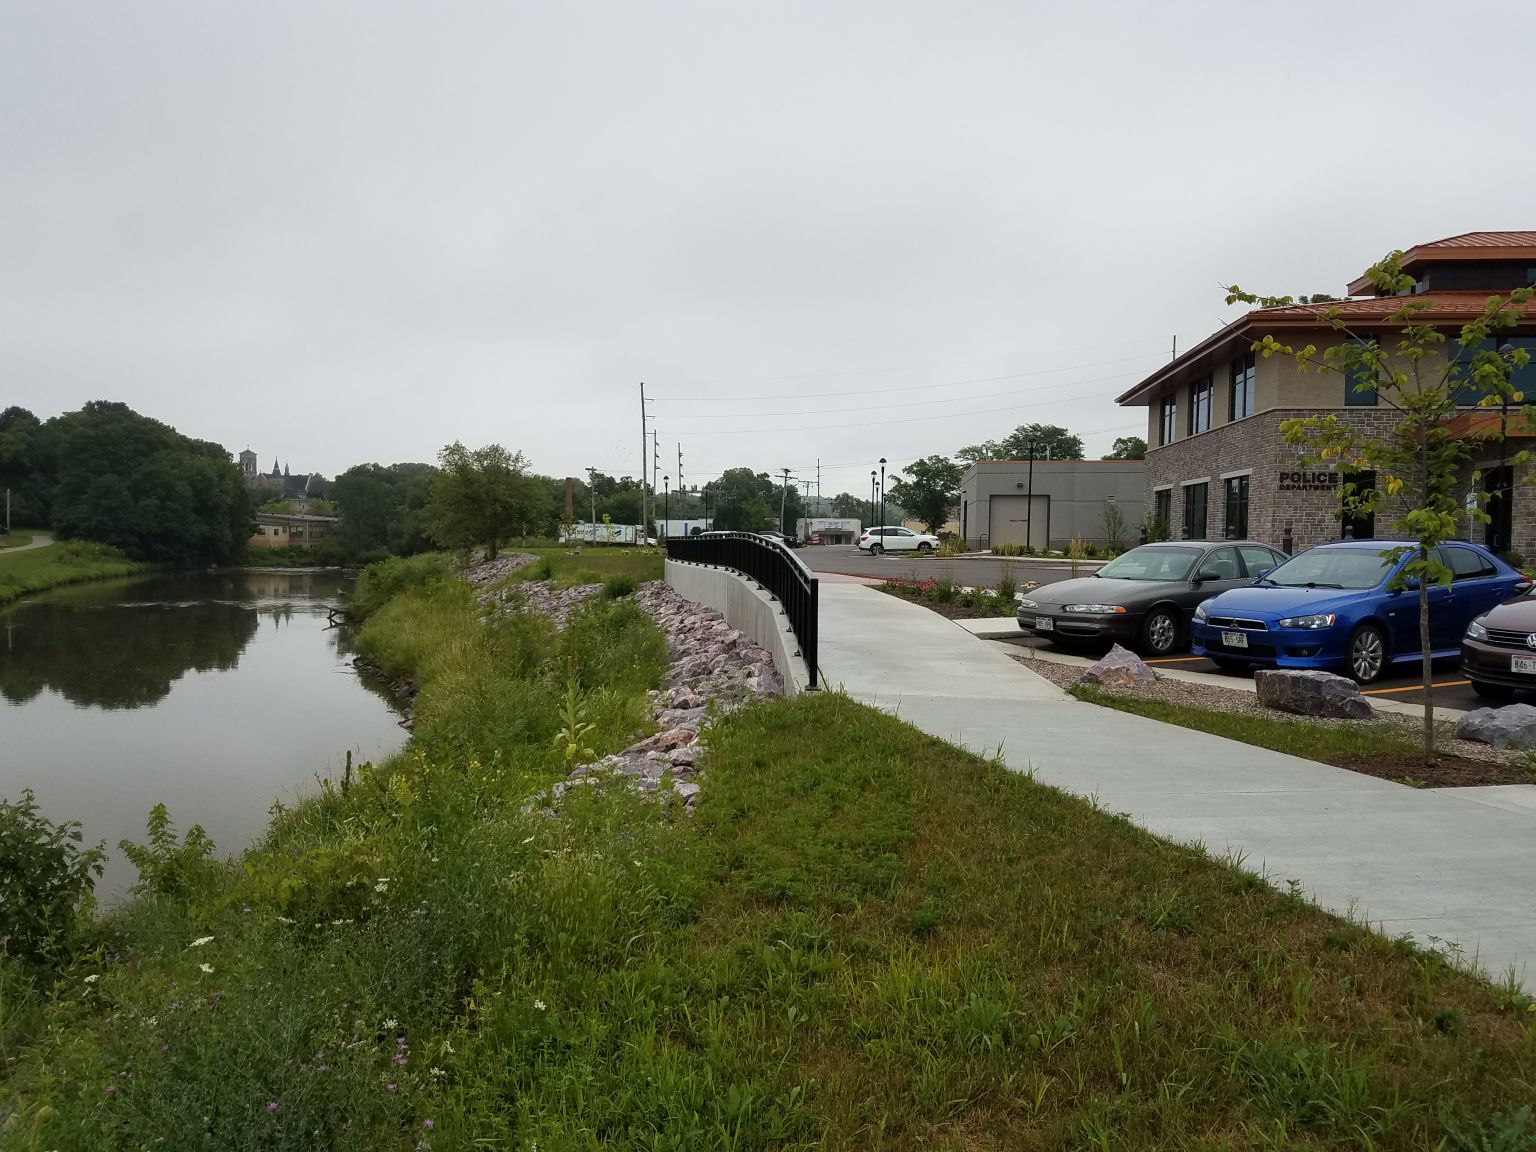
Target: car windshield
[(1332, 568), (1152, 564)]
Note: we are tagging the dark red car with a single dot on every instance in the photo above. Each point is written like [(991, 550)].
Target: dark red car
[(1498, 653)]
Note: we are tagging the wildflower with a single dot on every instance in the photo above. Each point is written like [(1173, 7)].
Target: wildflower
[(207, 969), (152, 1021), (400, 1059), (111, 1089), (200, 941), (435, 1073), (245, 910), (427, 1124), (391, 1024), (271, 1105), (93, 977), (165, 1048), (285, 920), (540, 1005), (391, 1087)]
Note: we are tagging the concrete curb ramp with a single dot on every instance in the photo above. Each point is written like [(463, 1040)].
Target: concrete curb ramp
[(1450, 865)]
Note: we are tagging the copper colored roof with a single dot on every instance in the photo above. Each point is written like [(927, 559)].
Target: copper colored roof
[(1368, 313), (1482, 246), (1484, 422)]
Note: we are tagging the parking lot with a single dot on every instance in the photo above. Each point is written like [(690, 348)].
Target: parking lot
[(980, 571), (1450, 689)]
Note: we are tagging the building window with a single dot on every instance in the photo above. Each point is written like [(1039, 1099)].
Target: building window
[(1244, 392), (1354, 395), (1162, 511), (1169, 414), (1237, 507), (1194, 511), (1200, 406)]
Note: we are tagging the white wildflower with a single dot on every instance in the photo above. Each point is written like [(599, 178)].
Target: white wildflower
[(540, 1005), (93, 977), (207, 969), (391, 1024), (200, 941), (436, 1072), (152, 1021), (285, 920)]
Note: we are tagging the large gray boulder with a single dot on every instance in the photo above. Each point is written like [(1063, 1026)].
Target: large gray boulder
[(1510, 727), (1308, 693), (1120, 668)]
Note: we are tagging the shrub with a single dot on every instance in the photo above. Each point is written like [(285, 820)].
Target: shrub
[(943, 591), (168, 866), (386, 579), (46, 883), (1007, 586), (618, 587), (1007, 549), (951, 547)]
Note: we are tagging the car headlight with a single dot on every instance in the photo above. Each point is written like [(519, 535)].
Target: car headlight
[(1028, 604), (1095, 609), (1476, 631), (1200, 610), (1320, 620)]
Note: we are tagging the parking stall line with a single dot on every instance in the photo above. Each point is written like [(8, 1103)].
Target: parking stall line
[(1177, 660), (1415, 688)]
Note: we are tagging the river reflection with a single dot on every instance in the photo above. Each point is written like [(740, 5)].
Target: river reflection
[(216, 693)]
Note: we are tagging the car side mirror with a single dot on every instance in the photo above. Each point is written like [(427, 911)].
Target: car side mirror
[(1203, 575), (1263, 572)]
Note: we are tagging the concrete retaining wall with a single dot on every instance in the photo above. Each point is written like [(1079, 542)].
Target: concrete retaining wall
[(748, 608)]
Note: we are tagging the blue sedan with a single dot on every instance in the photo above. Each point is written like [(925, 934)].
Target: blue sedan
[(1330, 607)]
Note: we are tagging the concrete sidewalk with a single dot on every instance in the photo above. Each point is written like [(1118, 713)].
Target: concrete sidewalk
[(1453, 865)]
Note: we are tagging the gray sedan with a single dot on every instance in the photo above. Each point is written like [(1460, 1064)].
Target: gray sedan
[(1144, 598)]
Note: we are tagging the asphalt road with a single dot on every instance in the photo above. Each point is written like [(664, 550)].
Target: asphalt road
[(39, 540), (978, 571), (1450, 689)]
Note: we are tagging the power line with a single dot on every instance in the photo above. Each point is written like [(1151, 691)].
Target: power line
[(908, 388)]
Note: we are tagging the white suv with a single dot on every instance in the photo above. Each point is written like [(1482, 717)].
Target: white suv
[(878, 540)]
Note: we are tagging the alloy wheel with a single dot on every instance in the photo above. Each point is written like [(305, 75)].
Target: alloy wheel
[(1366, 655), (1161, 632)]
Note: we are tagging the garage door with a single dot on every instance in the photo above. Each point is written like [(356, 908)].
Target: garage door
[(1012, 517)]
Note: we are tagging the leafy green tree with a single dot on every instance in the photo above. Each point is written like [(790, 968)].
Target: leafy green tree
[(382, 508), (929, 490), (1128, 448), (482, 498), (741, 500), (24, 463), (1050, 442), (849, 505), (1421, 379)]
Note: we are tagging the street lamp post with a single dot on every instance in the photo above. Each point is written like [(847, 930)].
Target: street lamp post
[(882, 489), (666, 506), (872, 521), (592, 492), (1029, 501), (784, 501)]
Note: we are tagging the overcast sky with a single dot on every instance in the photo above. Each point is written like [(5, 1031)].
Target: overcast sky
[(347, 232)]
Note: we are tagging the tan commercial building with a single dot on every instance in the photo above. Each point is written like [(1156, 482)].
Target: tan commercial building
[(1217, 465), (274, 530), (1047, 504)]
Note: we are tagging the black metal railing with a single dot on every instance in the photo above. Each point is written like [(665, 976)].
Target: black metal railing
[(773, 565)]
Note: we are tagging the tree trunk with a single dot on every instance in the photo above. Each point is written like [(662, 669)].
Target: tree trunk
[(1426, 668), (493, 546)]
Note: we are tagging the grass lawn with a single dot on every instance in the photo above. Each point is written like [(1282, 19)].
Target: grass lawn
[(1370, 748), (67, 562), (594, 564), (16, 538)]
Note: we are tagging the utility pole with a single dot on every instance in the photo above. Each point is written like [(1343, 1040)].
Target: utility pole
[(592, 492), (784, 501), (643, 529), (681, 488), (820, 510), (655, 470), (1029, 500)]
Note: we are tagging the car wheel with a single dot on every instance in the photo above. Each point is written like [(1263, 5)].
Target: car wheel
[(1160, 632), (876, 549), (1492, 691), (1367, 654), (925, 547)]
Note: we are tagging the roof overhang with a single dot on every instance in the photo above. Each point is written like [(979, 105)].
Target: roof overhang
[(1417, 257), (1219, 341)]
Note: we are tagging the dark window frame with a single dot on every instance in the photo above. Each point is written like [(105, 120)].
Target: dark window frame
[(1191, 504), (1242, 382), (1202, 397), (1236, 494), (1168, 419)]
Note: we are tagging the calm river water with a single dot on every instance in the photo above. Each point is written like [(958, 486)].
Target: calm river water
[(215, 693)]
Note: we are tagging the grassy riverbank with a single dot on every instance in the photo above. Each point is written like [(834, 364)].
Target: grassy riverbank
[(65, 562), (865, 938)]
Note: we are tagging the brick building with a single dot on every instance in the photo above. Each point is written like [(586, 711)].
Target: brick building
[(1217, 464)]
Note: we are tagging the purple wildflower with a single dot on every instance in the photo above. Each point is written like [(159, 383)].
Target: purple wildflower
[(271, 1105), (111, 1088), (427, 1123), (400, 1059), (391, 1087)]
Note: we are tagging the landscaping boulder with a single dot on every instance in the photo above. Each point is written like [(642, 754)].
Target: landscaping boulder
[(1120, 668), (1510, 727), (1309, 693)]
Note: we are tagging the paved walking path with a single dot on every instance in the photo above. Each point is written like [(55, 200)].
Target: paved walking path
[(39, 540), (1454, 865)]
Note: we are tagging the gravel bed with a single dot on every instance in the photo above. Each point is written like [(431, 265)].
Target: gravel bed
[(1235, 700)]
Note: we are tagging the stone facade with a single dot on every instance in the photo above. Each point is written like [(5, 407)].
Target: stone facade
[(1282, 492)]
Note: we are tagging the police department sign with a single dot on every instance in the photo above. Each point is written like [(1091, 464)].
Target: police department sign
[(1292, 481)]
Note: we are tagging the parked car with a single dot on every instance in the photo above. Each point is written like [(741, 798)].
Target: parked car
[(1498, 652), (1144, 598), (894, 539), (1339, 606), (787, 541)]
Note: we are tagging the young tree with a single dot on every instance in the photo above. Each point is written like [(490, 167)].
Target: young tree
[(1128, 448), (1422, 378), (930, 489), (481, 498)]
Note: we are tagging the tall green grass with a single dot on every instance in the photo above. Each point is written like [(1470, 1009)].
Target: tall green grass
[(65, 562)]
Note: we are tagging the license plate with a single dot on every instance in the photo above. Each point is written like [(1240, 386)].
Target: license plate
[(1044, 624), (1233, 640), (1522, 664)]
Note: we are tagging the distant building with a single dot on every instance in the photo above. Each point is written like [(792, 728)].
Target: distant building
[(280, 483), (1052, 503), (828, 529), (274, 530)]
